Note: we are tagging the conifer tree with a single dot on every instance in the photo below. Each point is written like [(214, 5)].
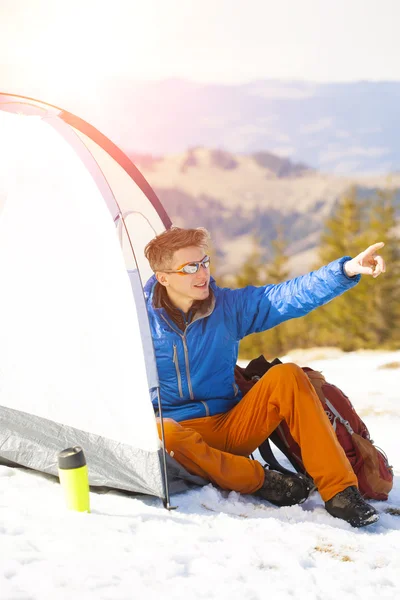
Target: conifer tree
[(216, 264), (252, 272), (342, 321), (383, 307), (255, 272), (277, 271), (368, 315)]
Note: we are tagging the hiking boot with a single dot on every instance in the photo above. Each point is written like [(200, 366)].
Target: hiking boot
[(283, 489), (350, 506)]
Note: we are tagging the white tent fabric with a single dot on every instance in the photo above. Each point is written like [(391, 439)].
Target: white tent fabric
[(76, 358), (60, 263)]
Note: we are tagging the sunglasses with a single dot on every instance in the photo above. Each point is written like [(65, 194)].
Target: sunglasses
[(192, 267)]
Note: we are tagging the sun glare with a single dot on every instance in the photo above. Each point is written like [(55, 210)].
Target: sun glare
[(62, 55)]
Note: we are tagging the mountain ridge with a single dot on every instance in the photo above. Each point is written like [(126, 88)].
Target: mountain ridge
[(240, 200), (344, 128)]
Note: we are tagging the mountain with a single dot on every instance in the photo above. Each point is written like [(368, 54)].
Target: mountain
[(342, 128), (244, 199), (261, 155)]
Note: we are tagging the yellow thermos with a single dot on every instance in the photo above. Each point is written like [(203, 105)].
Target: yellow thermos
[(73, 474)]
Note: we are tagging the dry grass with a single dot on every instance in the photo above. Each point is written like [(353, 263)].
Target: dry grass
[(390, 365), (395, 512), (328, 549)]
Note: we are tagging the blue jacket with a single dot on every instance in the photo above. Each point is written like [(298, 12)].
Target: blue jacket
[(196, 367)]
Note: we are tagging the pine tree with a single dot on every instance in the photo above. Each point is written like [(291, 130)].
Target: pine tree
[(368, 315), (344, 231), (252, 273), (216, 264), (277, 271), (383, 306), (342, 321)]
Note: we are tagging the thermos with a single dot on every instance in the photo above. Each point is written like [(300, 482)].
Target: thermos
[(73, 474)]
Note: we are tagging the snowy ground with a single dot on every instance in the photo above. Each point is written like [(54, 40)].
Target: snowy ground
[(215, 545)]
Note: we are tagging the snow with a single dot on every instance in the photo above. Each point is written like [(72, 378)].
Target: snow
[(215, 544)]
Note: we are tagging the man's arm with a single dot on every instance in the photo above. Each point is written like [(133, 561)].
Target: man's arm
[(255, 309)]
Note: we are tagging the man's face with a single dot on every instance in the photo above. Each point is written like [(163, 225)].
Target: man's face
[(186, 288)]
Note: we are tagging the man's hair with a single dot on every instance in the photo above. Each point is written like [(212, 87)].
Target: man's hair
[(160, 250)]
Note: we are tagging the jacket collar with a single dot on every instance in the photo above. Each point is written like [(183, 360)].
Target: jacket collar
[(157, 297)]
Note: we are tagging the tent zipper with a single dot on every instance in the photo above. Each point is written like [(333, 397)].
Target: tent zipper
[(178, 373)]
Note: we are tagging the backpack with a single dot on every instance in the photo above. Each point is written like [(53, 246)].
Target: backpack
[(369, 463)]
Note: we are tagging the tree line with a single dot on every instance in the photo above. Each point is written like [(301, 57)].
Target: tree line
[(367, 316)]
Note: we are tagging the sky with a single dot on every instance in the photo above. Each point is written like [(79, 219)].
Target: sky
[(79, 43)]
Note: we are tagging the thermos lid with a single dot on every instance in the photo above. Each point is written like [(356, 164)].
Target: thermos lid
[(71, 458)]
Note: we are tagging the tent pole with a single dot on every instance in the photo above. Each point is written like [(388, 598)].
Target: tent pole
[(166, 500)]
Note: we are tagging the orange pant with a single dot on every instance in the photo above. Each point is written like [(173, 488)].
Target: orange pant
[(217, 448)]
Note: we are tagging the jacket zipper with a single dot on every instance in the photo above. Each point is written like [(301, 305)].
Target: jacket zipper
[(186, 353), (178, 373), (187, 368)]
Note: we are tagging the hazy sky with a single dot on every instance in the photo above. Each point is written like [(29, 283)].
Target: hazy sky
[(70, 43)]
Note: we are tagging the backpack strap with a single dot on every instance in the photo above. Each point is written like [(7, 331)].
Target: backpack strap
[(318, 381), (339, 417), (267, 454)]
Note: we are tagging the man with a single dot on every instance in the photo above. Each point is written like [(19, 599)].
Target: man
[(209, 428)]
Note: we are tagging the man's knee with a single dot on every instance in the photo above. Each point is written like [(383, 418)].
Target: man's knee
[(172, 429), (285, 370), (178, 438)]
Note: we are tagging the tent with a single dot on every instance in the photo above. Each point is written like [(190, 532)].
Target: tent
[(77, 363)]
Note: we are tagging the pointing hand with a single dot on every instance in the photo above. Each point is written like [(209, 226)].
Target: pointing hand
[(367, 262)]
